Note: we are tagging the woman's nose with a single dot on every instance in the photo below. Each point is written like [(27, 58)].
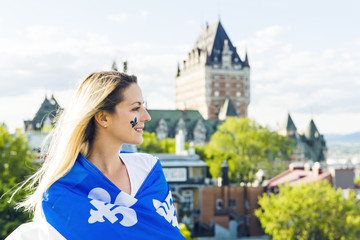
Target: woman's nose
[(145, 116)]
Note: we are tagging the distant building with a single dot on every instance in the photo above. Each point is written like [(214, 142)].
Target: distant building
[(44, 117), (37, 129), (307, 173), (229, 211), (186, 175), (214, 79), (310, 146), (167, 124)]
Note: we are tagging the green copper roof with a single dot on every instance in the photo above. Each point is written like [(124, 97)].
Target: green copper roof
[(289, 124)]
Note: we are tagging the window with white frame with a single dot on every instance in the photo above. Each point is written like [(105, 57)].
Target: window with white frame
[(238, 94), (219, 204)]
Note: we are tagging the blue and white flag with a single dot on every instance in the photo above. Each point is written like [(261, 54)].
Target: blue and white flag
[(84, 204)]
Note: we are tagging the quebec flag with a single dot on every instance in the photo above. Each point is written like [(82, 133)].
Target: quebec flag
[(84, 204)]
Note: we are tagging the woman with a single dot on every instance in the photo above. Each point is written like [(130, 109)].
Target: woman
[(85, 188)]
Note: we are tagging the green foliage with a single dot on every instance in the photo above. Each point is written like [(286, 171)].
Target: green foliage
[(150, 143), (247, 146), (153, 145), (357, 180), (312, 211), (15, 165), (185, 232)]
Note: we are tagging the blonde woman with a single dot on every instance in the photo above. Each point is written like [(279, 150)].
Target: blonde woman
[(86, 189)]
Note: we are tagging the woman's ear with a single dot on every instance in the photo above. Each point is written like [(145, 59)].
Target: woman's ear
[(102, 118)]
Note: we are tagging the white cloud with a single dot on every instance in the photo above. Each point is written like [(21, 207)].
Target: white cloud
[(314, 82), (263, 40), (144, 13), (119, 18)]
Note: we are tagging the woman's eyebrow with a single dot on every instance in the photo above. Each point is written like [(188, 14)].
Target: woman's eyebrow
[(137, 102)]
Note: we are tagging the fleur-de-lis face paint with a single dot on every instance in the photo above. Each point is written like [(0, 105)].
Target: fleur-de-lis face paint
[(133, 123)]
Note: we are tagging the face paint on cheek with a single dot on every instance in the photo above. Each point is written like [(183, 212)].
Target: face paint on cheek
[(133, 123)]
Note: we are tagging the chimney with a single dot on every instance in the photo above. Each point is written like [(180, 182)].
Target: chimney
[(224, 174), (180, 143), (316, 169)]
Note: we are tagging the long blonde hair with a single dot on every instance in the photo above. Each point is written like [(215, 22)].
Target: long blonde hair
[(75, 130)]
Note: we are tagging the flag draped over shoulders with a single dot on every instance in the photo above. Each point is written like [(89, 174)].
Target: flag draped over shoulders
[(85, 204)]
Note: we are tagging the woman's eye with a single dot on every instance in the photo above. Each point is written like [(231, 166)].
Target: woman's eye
[(136, 109)]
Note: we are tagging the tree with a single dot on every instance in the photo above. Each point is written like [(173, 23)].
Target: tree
[(247, 147), (150, 144), (16, 163), (310, 211), (185, 232), (153, 145)]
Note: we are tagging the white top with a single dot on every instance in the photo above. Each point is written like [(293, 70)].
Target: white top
[(138, 166), (37, 230)]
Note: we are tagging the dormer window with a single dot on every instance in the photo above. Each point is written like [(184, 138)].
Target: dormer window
[(226, 59)]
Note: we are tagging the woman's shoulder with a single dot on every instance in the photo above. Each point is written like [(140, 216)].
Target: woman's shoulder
[(36, 230)]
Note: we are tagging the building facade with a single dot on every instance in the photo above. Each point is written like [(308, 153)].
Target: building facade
[(168, 123), (309, 146), (212, 73)]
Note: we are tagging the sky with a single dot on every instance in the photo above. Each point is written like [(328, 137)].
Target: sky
[(304, 55)]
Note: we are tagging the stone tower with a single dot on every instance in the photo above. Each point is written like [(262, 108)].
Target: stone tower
[(213, 76)]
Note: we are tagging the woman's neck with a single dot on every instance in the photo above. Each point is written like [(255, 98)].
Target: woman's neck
[(105, 156)]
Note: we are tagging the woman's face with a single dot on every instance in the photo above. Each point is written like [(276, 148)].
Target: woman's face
[(126, 124)]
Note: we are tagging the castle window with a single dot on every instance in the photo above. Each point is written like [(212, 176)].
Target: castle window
[(238, 86), (216, 104), (216, 85), (238, 94), (228, 77), (246, 87), (228, 85), (236, 59), (215, 66), (215, 59), (232, 203), (238, 78), (238, 104), (238, 112), (216, 77), (227, 94), (246, 79), (237, 66), (216, 93)]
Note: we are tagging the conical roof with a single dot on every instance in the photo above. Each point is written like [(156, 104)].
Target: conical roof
[(312, 131), (289, 124), (227, 109)]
